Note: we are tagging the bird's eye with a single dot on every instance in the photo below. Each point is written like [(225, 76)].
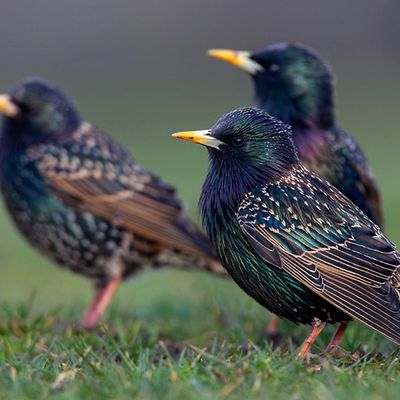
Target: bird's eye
[(21, 106), (274, 68), (237, 141)]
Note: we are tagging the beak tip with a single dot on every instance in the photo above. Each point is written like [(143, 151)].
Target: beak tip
[(7, 107), (220, 54)]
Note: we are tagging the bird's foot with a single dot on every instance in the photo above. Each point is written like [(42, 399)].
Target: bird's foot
[(335, 351)]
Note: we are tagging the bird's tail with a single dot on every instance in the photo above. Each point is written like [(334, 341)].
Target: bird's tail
[(195, 262), (202, 256)]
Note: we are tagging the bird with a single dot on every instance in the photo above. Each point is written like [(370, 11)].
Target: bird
[(294, 84), (290, 239), (80, 198)]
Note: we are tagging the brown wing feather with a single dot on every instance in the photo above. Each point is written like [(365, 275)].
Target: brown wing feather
[(144, 212), (376, 305)]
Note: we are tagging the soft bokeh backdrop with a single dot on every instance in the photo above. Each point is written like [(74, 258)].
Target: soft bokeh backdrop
[(138, 70)]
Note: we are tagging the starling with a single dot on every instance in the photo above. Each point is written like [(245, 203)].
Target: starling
[(295, 85), (80, 199), (290, 239)]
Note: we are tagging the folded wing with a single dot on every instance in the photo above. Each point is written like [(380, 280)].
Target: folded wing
[(306, 227), (99, 177)]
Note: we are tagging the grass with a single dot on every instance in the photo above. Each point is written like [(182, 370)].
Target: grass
[(202, 347)]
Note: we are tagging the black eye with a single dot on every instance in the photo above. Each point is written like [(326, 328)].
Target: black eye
[(237, 141), (24, 108)]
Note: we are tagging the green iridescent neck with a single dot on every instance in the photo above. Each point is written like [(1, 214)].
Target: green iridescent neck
[(312, 108)]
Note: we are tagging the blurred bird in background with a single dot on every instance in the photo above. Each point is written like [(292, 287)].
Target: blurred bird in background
[(295, 85), (289, 239), (80, 199)]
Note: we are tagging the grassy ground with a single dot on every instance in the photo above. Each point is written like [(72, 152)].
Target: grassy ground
[(187, 345), (175, 334)]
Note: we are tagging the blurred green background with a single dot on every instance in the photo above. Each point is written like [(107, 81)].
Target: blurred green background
[(138, 70)]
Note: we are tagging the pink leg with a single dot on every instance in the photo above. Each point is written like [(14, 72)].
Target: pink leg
[(337, 337), (317, 328), (100, 302), (272, 327)]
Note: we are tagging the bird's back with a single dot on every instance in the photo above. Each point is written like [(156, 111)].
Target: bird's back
[(335, 155)]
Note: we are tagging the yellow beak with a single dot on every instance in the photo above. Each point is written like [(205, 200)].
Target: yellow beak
[(7, 107), (241, 59), (200, 137)]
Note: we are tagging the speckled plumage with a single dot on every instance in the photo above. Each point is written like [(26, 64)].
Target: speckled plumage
[(295, 85), (79, 198), (288, 238)]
